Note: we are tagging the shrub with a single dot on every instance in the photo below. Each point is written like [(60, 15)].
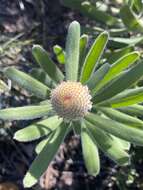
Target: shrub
[(96, 100)]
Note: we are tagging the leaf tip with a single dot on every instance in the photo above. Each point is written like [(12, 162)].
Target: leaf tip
[(137, 53), (29, 180), (84, 36), (16, 136), (124, 161), (105, 34), (56, 47), (74, 25), (35, 47)]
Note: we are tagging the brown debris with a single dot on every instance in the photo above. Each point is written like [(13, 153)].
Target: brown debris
[(8, 186)]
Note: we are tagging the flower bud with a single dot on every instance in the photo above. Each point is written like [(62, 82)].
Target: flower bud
[(71, 100)]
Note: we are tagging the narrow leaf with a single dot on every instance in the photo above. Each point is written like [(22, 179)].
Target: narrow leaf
[(109, 145), (76, 127), (120, 83), (60, 54), (126, 98), (46, 63), (83, 48), (3, 87), (27, 82), (130, 19), (125, 145), (120, 65), (117, 42), (25, 113), (72, 51), (93, 56), (128, 133), (37, 130), (90, 152), (93, 30), (117, 54), (121, 117), (89, 10), (135, 110), (43, 143), (43, 77), (97, 76), (45, 157), (137, 5)]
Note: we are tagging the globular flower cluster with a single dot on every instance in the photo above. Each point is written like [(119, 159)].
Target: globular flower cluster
[(71, 100)]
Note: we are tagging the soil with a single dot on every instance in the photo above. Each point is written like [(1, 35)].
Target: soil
[(45, 22)]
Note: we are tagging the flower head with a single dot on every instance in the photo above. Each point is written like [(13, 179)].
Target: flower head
[(71, 100)]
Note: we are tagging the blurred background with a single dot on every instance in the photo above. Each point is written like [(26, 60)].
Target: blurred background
[(27, 22)]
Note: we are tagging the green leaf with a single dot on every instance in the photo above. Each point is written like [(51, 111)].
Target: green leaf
[(97, 76), (60, 54), (115, 55), (43, 77), (128, 133), (126, 98), (137, 5), (43, 143), (120, 65), (130, 19), (47, 154), (25, 113), (3, 87), (90, 152), (135, 110), (93, 56), (27, 82), (83, 48), (37, 130), (125, 145), (117, 85), (94, 30), (76, 127), (109, 145), (117, 42), (121, 117), (89, 10), (72, 51), (46, 63)]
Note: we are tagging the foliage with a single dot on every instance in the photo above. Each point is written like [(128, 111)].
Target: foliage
[(112, 123), (3, 87), (122, 19)]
